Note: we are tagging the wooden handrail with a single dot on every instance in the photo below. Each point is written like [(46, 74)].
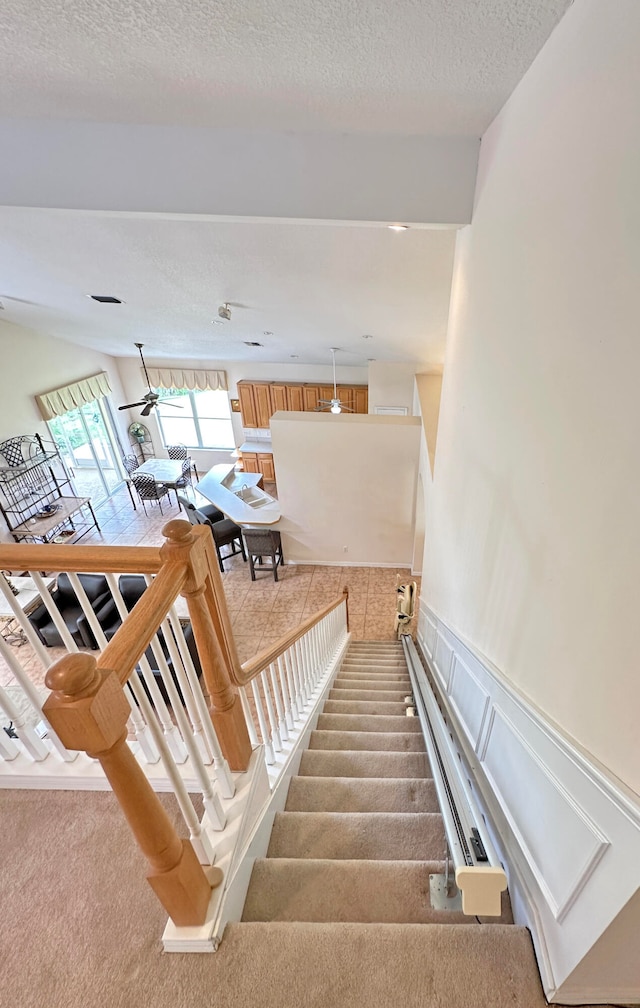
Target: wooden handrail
[(124, 650), (81, 559), (254, 666)]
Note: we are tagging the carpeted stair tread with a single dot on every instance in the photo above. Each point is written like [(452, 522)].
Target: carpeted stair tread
[(357, 794), (384, 685), (351, 763), (383, 965), (384, 696), (389, 708), (368, 723), (383, 836), (374, 675), (390, 892), (408, 741)]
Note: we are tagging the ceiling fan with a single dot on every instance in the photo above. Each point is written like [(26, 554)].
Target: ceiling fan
[(150, 398), (334, 405)]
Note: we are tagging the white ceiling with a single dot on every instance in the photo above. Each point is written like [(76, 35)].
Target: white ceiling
[(407, 66), (413, 67)]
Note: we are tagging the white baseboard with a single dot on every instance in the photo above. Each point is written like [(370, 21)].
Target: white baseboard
[(568, 833)]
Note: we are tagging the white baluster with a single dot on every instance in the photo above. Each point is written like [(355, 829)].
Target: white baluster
[(29, 688), (275, 734), (269, 755), (174, 740), (289, 658), (220, 764), (286, 692), (248, 716), (140, 728), (282, 724), (26, 733)]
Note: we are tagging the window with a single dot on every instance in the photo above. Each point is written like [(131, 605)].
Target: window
[(202, 421)]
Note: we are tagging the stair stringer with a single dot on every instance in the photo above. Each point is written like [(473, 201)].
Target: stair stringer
[(253, 838)]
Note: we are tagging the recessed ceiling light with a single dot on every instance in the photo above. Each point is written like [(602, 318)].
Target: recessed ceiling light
[(267, 333), (398, 227), (217, 321), (367, 337), (294, 355), (104, 298), (252, 343)]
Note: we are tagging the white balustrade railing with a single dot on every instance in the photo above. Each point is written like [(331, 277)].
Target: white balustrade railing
[(277, 698), (170, 727)]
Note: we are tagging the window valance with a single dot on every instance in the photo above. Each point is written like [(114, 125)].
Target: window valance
[(68, 397), (178, 378)]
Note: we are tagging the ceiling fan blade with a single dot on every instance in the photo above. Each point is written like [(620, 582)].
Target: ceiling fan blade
[(131, 405), (175, 405), (146, 411)]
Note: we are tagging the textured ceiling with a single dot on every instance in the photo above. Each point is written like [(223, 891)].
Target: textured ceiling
[(310, 286), (414, 67), (408, 66)]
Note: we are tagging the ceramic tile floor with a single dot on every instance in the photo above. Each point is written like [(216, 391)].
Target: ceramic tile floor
[(263, 610)]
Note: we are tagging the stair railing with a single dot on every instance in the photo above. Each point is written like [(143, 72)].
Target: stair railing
[(284, 676), (88, 710)]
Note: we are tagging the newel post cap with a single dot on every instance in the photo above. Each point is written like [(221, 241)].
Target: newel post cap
[(87, 708)]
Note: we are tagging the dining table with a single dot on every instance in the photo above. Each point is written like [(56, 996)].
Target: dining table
[(165, 471)]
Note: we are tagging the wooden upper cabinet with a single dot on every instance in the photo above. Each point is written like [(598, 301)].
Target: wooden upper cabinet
[(310, 397), (360, 399), (247, 404), (295, 399), (262, 399), (278, 398)]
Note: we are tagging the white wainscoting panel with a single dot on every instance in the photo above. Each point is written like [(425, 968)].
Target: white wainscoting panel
[(568, 833), (469, 700)]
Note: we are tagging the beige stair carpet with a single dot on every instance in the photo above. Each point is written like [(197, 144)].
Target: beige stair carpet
[(361, 831)]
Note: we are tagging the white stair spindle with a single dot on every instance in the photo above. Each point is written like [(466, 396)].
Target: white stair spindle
[(286, 692), (277, 688), (26, 733), (275, 733), (269, 755), (248, 716)]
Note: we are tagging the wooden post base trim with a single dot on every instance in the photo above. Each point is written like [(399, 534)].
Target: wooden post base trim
[(231, 729), (184, 890)]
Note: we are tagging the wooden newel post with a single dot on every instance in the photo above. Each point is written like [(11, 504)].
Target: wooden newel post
[(204, 594), (89, 712)]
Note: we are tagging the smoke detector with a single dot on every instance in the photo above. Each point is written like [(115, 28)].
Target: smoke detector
[(224, 311)]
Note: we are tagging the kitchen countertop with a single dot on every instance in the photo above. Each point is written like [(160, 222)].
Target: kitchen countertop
[(256, 446), (224, 496)]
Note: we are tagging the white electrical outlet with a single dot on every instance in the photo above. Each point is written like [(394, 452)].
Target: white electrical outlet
[(346, 549)]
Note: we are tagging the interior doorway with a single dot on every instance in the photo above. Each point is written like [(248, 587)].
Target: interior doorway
[(86, 439)]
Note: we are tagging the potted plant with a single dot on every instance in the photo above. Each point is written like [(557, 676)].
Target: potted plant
[(138, 432)]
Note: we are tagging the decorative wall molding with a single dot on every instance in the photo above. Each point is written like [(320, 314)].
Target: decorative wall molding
[(567, 832)]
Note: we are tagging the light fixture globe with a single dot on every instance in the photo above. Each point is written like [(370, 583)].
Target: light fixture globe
[(336, 407)]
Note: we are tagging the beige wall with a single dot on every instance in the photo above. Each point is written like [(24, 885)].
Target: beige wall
[(533, 535), (33, 363), (347, 480), (391, 384)]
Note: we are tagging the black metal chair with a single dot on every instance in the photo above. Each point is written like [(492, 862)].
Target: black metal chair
[(261, 543), (130, 463), (180, 451), (208, 511), (148, 490)]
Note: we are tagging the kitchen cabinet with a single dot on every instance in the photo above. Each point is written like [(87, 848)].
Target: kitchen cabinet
[(310, 396), (266, 466), (250, 462), (278, 398), (247, 404), (262, 400), (295, 399)]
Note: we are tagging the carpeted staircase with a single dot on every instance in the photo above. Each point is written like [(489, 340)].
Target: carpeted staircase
[(346, 876)]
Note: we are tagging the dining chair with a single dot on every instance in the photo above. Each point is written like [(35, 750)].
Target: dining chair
[(180, 451), (261, 543), (148, 490), (130, 463)]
